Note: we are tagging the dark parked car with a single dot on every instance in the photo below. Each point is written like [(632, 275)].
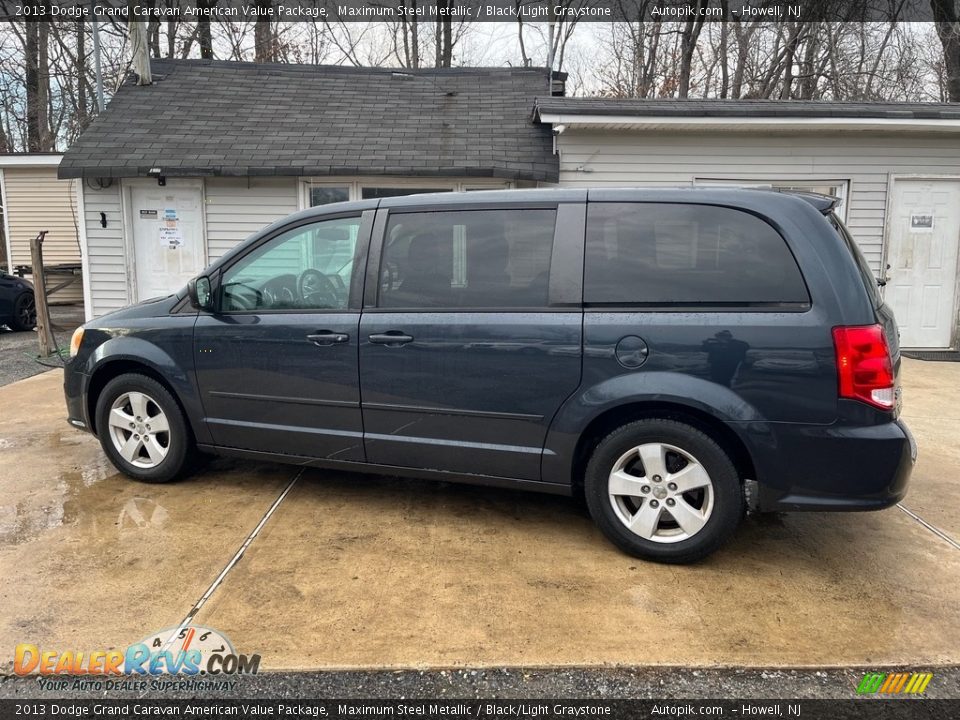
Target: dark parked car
[(676, 356), (18, 309)]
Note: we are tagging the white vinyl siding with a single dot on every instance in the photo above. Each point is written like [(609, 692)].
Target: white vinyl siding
[(105, 248), (238, 207), (624, 158), (36, 200)]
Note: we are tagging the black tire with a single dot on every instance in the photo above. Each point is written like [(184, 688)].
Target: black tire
[(727, 493), (180, 451), (24, 311)]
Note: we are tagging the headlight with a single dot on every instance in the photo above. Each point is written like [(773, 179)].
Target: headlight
[(75, 341)]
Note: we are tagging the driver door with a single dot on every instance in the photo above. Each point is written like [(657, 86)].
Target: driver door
[(277, 361)]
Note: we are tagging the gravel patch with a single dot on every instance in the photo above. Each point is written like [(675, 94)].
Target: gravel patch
[(518, 683), (19, 350)]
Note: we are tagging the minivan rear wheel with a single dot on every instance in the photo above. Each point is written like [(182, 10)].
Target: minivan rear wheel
[(142, 429), (662, 490)]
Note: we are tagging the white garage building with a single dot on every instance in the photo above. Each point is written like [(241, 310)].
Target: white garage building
[(896, 167), (175, 174)]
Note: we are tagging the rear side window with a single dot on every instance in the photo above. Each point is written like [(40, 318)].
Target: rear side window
[(687, 255), (470, 259), (866, 275)]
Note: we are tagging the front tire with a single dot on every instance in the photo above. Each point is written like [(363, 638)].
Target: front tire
[(142, 429), (663, 491)]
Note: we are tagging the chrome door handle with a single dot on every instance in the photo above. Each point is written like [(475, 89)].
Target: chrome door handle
[(392, 338), (326, 338)]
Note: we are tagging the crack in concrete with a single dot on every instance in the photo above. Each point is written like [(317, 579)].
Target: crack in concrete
[(236, 558), (932, 528)]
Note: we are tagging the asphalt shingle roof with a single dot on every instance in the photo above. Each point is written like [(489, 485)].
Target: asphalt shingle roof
[(746, 108), (207, 117)]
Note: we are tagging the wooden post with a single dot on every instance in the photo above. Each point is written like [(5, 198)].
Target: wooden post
[(44, 332)]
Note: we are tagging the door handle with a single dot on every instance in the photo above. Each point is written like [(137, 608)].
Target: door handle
[(325, 338), (391, 338)]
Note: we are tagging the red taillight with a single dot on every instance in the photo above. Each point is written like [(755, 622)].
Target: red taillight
[(864, 365)]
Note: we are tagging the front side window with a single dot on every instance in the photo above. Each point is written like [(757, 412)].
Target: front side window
[(472, 259), (686, 255), (306, 268)]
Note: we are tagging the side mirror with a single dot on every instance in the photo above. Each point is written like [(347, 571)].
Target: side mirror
[(198, 290)]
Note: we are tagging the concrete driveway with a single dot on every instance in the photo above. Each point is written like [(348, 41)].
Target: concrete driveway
[(355, 571)]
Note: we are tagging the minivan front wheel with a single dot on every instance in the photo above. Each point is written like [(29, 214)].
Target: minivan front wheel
[(142, 429), (664, 491)]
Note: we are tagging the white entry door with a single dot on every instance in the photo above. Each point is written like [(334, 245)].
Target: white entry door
[(922, 278), (167, 235)]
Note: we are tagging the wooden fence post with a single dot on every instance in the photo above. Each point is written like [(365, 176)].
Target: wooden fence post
[(44, 331)]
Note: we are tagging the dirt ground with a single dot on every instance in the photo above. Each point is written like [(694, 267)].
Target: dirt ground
[(358, 573)]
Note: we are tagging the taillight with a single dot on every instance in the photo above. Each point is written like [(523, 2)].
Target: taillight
[(864, 365)]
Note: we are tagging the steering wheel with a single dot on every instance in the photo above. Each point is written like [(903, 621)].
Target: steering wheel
[(314, 284)]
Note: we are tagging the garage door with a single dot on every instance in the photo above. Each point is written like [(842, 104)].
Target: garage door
[(922, 277)]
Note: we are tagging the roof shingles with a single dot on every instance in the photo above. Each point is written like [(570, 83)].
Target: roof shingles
[(203, 117)]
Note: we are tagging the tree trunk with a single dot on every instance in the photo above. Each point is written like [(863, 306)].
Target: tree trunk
[(81, 75), (691, 33), (204, 36), (743, 51), (263, 34), (724, 51), (414, 40), (153, 34), (32, 76), (43, 87), (948, 29)]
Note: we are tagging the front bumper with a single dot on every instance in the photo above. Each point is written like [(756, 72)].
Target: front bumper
[(75, 384), (834, 467)]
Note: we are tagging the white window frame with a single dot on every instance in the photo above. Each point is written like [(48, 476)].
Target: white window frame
[(843, 186), (355, 185)]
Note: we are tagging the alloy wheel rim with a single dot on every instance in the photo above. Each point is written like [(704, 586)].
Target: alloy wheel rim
[(661, 492), (28, 312), (139, 429)]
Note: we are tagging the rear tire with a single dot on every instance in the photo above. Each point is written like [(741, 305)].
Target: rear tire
[(142, 429), (663, 491), (24, 311)]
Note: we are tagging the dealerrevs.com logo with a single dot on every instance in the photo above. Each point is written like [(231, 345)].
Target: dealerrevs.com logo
[(185, 650)]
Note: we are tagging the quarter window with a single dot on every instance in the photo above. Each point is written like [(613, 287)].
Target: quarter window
[(472, 259), (326, 194), (689, 255), (306, 268)]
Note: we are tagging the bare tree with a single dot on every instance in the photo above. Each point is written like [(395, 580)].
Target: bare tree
[(37, 82), (945, 15), (688, 45), (264, 49)]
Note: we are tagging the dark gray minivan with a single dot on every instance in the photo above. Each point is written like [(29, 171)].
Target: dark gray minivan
[(676, 356)]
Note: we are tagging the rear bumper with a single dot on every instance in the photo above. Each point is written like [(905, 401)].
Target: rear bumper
[(834, 467)]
